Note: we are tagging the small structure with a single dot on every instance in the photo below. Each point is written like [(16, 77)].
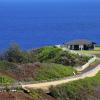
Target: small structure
[(80, 44)]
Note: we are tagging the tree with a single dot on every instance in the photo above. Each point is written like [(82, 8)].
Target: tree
[(14, 54)]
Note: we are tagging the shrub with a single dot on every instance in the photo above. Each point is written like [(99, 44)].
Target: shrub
[(49, 71), (76, 90), (37, 94), (48, 53), (5, 80), (13, 54)]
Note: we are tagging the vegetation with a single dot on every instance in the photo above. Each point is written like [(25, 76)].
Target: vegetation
[(49, 54), (5, 65), (52, 54), (33, 65), (95, 51), (6, 80), (76, 90), (36, 71), (37, 94), (46, 63), (53, 71)]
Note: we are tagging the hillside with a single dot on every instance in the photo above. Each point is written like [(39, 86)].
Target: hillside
[(33, 71), (41, 64), (85, 89)]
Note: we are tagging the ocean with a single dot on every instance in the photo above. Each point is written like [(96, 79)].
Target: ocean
[(36, 24)]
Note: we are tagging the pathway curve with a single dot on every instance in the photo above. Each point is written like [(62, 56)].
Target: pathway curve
[(88, 72), (46, 85)]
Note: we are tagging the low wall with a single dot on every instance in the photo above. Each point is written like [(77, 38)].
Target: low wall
[(86, 65)]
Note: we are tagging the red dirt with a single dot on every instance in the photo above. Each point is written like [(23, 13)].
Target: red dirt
[(20, 96), (22, 72), (14, 96), (96, 93)]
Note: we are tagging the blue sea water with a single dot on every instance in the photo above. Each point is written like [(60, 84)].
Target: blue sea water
[(35, 24)]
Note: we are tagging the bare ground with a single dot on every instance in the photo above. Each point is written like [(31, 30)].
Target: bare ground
[(21, 96)]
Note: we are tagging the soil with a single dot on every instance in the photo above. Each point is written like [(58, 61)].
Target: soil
[(22, 72), (21, 96), (96, 93), (14, 96)]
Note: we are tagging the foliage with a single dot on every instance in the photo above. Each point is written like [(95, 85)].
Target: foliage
[(53, 54), (6, 80), (13, 54), (74, 90), (53, 71), (37, 94), (47, 53), (67, 58), (5, 65), (37, 71)]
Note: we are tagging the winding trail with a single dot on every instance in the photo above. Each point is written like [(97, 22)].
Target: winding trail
[(88, 72), (46, 85)]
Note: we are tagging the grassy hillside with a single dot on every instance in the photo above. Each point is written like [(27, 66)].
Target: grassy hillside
[(53, 71), (53, 54), (52, 63), (48, 54), (35, 71), (76, 90), (40, 95)]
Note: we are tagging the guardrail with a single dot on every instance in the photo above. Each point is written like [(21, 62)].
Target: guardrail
[(86, 65)]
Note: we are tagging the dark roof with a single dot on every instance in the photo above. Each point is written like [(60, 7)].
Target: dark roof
[(79, 42)]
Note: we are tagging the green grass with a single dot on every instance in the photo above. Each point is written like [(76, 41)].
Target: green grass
[(5, 65), (95, 51), (6, 80), (74, 90), (37, 94), (52, 54), (46, 71), (53, 71)]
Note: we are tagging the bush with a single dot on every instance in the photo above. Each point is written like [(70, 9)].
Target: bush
[(13, 54), (5, 80), (49, 71), (76, 90), (16, 55), (37, 94), (47, 53)]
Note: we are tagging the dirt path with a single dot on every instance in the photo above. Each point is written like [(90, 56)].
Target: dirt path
[(91, 71), (46, 85)]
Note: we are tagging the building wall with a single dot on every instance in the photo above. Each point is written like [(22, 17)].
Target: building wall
[(81, 47)]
